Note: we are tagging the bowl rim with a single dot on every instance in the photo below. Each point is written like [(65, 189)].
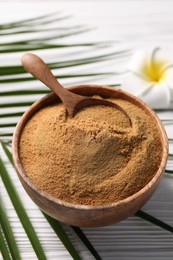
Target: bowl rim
[(21, 172)]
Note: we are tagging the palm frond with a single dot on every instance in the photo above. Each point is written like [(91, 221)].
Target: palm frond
[(14, 70), (38, 40), (30, 22), (169, 171), (57, 227), (37, 29), (3, 246), (8, 233), (7, 152), (86, 242), (60, 77), (11, 114), (154, 220), (167, 121), (20, 210)]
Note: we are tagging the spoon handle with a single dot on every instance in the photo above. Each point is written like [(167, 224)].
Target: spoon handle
[(36, 66)]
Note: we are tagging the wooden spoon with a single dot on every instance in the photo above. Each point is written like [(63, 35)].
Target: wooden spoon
[(73, 102)]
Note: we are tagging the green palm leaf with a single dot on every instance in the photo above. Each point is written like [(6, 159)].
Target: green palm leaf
[(154, 220), (8, 233), (24, 22), (57, 227), (19, 208), (87, 243), (3, 246), (14, 70)]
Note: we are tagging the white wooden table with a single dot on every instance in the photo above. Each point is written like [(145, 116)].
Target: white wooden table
[(133, 25)]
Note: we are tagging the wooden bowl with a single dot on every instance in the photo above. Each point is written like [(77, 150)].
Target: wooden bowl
[(82, 215)]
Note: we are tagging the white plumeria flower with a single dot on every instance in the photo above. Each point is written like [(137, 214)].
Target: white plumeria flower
[(151, 78)]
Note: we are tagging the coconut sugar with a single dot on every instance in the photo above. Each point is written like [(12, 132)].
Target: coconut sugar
[(95, 158)]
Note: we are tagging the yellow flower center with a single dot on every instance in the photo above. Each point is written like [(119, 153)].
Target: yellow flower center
[(154, 71)]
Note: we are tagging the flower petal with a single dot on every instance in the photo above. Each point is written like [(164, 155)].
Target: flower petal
[(162, 56), (155, 95), (137, 63), (141, 59), (158, 96), (134, 84), (169, 82)]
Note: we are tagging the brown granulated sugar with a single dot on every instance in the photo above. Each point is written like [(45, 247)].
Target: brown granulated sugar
[(95, 158)]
